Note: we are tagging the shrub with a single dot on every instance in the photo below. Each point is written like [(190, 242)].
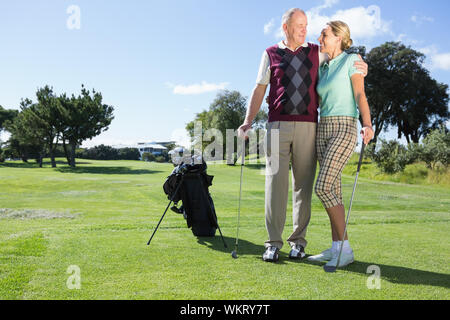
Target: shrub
[(80, 153), (129, 154), (103, 152), (436, 148), (147, 156), (370, 151), (391, 157), (413, 152), (160, 159)]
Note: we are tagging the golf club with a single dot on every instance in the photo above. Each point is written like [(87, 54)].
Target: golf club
[(333, 268), (234, 253)]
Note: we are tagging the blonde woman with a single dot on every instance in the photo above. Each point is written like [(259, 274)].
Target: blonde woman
[(341, 93)]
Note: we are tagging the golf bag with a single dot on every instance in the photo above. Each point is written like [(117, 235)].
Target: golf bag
[(198, 207)]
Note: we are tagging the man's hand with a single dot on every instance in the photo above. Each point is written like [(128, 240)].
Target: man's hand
[(242, 131), (361, 66), (255, 104)]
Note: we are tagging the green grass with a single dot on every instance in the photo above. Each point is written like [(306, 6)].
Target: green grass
[(416, 173), (100, 215)]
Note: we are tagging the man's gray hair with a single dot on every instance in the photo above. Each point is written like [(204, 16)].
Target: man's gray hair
[(288, 15)]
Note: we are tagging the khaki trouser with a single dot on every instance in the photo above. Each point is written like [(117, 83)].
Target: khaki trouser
[(296, 144)]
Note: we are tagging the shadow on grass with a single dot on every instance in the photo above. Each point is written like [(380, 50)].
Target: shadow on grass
[(32, 164), (244, 247), (393, 274), (64, 168), (255, 166), (105, 170), (396, 274)]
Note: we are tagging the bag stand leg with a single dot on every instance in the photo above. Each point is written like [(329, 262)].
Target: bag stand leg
[(171, 199), (223, 240)]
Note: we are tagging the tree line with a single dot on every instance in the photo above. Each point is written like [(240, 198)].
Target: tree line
[(40, 127)]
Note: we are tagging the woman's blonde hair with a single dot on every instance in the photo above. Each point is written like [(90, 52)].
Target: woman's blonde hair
[(341, 29)]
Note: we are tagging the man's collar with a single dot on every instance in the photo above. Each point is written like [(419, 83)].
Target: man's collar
[(283, 46)]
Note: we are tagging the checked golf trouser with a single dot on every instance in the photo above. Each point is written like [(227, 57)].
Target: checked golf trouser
[(296, 145), (336, 142)]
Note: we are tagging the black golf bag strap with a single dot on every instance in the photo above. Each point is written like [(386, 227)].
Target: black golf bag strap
[(212, 215)]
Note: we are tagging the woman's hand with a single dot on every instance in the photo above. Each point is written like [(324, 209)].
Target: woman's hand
[(367, 134), (362, 66)]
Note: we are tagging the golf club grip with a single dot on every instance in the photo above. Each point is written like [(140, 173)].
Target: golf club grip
[(361, 156), (243, 151)]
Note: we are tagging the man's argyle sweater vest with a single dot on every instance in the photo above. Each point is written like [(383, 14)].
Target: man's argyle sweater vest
[(293, 81)]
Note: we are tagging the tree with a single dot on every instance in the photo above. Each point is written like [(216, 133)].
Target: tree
[(38, 126), (381, 86), (49, 114), (28, 133), (84, 117), (425, 110), (205, 117), (6, 115), (227, 111), (401, 92), (73, 120)]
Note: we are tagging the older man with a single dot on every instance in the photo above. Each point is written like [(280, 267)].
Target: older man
[(291, 69)]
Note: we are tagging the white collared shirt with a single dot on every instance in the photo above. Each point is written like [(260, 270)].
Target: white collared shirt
[(264, 67)]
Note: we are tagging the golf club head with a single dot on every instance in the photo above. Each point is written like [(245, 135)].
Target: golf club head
[(234, 254), (329, 269)]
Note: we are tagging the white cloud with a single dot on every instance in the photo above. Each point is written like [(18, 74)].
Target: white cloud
[(269, 26), (441, 61), (436, 60), (429, 50), (418, 20), (364, 23), (407, 40), (181, 137), (401, 37), (327, 4), (192, 89), (280, 33)]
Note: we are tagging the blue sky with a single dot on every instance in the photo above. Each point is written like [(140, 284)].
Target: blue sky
[(161, 62)]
